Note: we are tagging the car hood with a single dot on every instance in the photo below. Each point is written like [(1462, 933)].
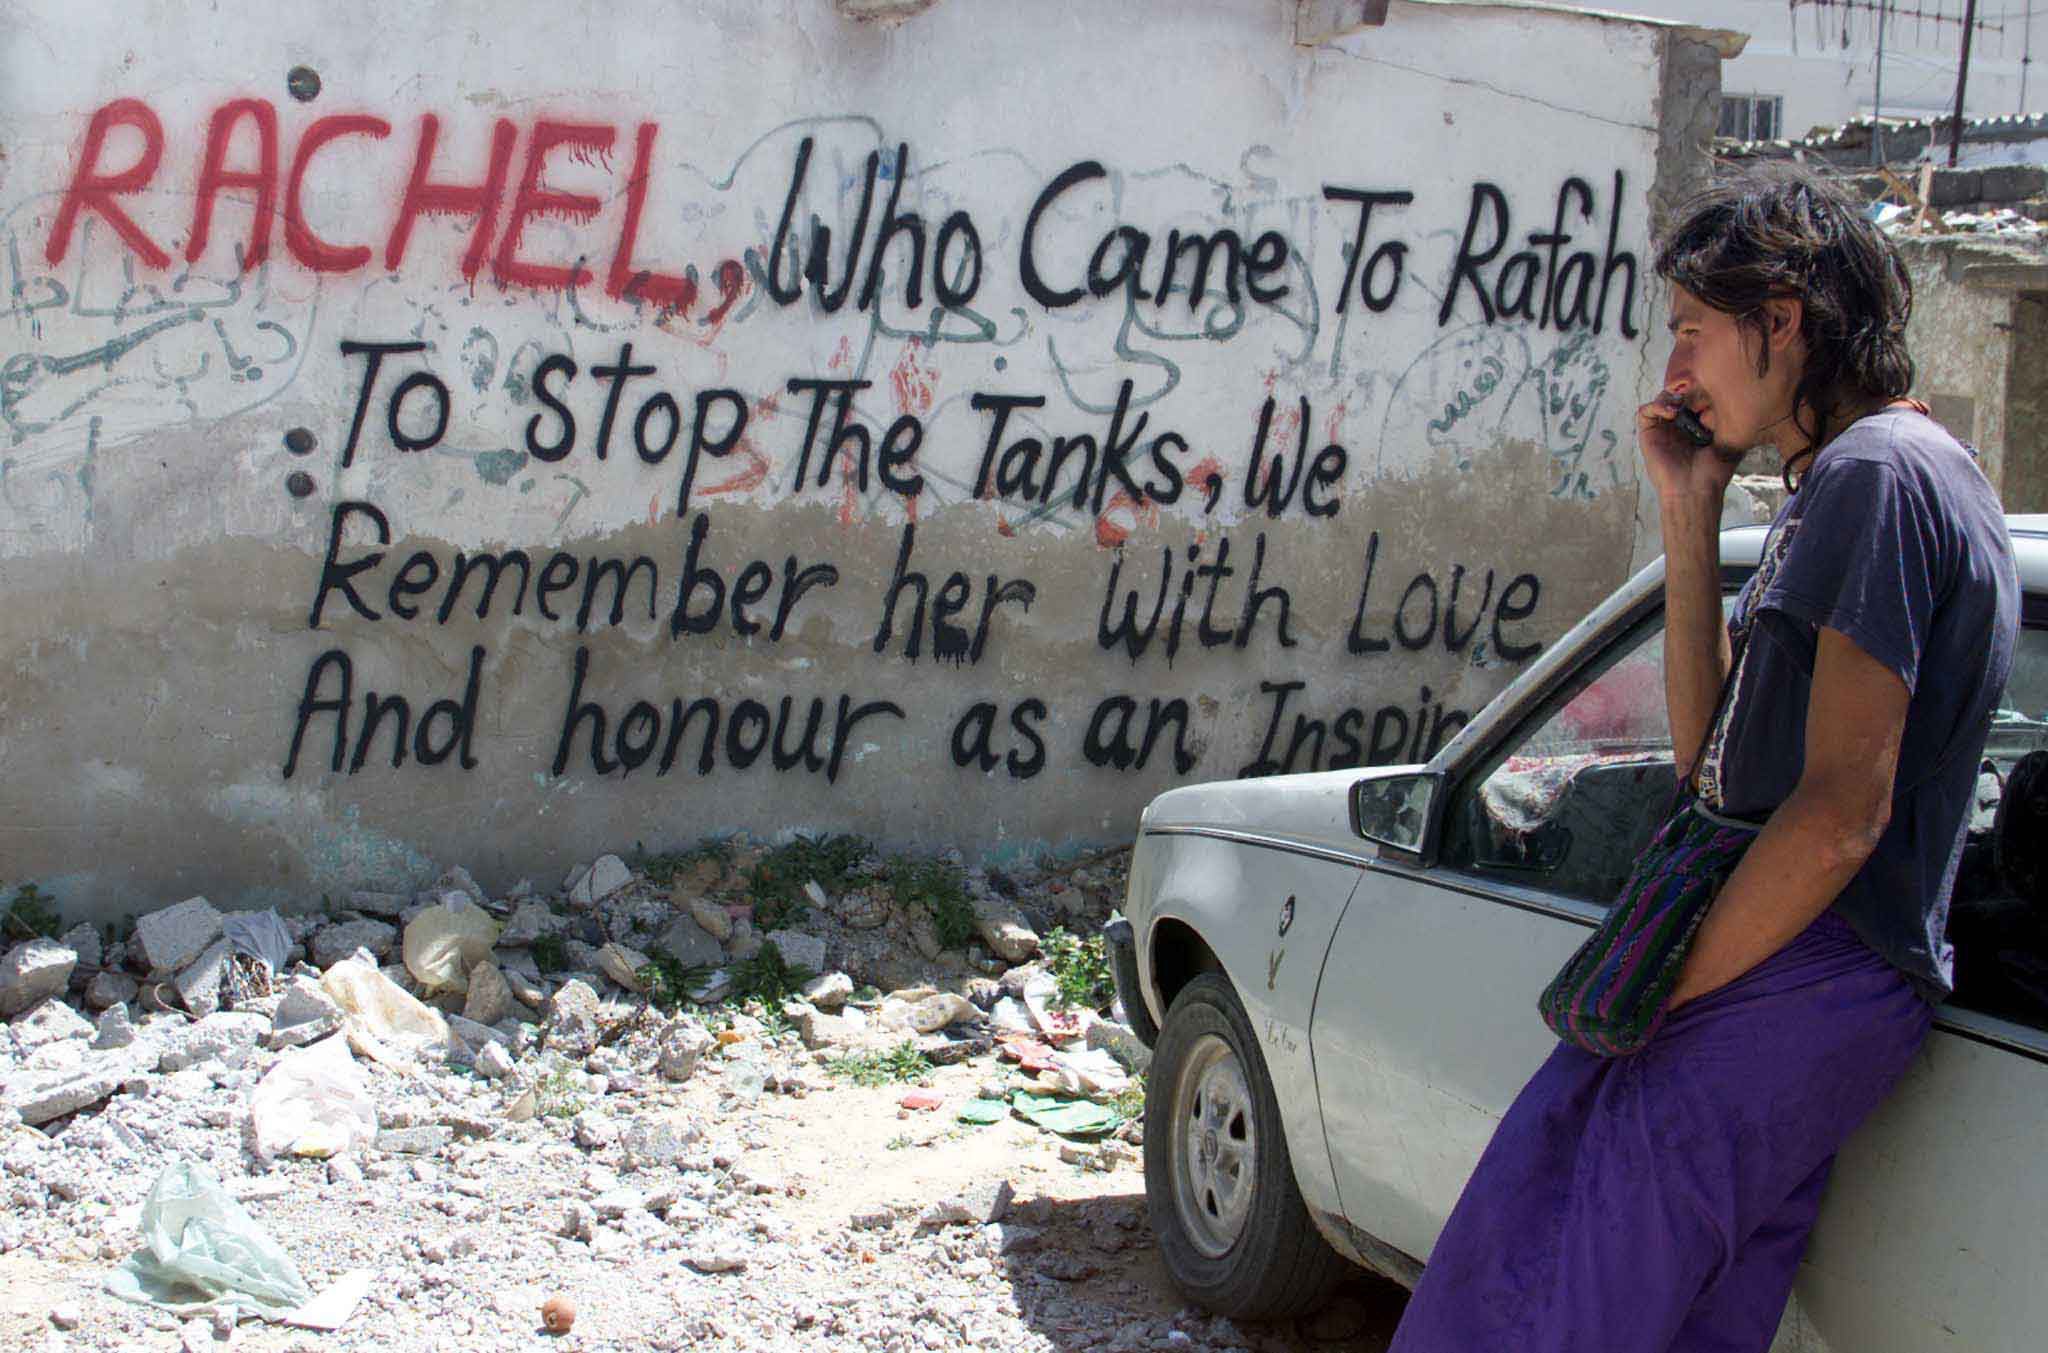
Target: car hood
[(1311, 810)]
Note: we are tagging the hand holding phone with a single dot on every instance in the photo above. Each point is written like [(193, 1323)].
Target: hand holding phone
[(1689, 424)]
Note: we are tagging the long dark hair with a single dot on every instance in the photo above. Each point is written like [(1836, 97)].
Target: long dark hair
[(1780, 232)]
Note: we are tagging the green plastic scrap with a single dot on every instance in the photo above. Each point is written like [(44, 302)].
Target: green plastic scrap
[(982, 1112), (202, 1250), (1067, 1117)]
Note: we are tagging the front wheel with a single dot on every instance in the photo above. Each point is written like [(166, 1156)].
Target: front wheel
[(1219, 1183)]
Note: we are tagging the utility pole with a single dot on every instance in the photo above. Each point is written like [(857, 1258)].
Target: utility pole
[(1877, 90), (1955, 131)]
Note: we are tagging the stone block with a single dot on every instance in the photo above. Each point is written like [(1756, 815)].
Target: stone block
[(622, 965), (606, 875), (33, 972), (1003, 929), (805, 953), (50, 1097), (2013, 182), (530, 921), (691, 945), (84, 941), (168, 940), (109, 989), (337, 942), (489, 998), (829, 991)]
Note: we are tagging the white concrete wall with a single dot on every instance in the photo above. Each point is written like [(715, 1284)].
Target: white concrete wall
[(224, 547)]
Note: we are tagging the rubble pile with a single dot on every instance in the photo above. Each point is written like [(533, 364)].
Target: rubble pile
[(484, 1106)]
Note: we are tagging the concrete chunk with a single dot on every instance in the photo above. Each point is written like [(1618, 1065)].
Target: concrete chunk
[(622, 965), (198, 983), (51, 1022), (691, 945), (51, 1097), (32, 972), (170, 939), (490, 997)]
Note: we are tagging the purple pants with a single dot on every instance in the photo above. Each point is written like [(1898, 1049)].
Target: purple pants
[(1659, 1203)]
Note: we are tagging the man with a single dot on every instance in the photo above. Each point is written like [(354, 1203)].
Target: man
[(1659, 1202)]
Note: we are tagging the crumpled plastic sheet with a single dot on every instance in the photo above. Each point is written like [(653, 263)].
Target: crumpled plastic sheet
[(261, 935), (315, 1103), (203, 1251), (445, 941)]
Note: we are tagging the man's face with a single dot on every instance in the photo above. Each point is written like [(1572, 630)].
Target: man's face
[(1713, 368)]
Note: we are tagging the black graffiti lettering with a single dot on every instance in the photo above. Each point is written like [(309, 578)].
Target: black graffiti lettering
[(1356, 641), (1256, 597), (752, 585), (949, 641), (1130, 257), (899, 448), (375, 353), (1002, 406), (558, 574), (461, 717), (1389, 736), (458, 715), (787, 292), (579, 710), (1532, 284), (1367, 199), (818, 267), (650, 452), (1267, 255), (702, 444), (805, 753), (615, 377), (959, 226), (972, 733), (1169, 492), (1465, 271), (1025, 715), (1415, 638), (565, 440), (403, 584), (1107, 741), (1516, 610), (418, 380), (621, 575), (909, 224), (680, 719), (1216, 570), (633, 751), (697, 576), (1027, 265), (1325, 472), (844, 431), (796, 582), (1453, 640), (1204, 247), (1264, 763), (335, 575), (1127, 631), (492, 565), (1273, 485), (312, 703)]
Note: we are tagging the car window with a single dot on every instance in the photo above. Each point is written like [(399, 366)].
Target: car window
[(1998, 915), (1570, 801)]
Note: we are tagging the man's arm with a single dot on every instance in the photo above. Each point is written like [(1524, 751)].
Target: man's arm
[(1821, 835)]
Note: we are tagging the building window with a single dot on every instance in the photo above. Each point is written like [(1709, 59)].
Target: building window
[(1752, 117)]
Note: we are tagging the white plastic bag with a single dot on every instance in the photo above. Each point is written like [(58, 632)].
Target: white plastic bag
[(315, 1102), (202, 1250), (375, 1005), (445, 941)]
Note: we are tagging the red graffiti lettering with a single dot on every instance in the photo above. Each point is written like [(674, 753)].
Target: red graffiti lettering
[(675, 293), (476, 200), (91, 188), (534, 200), (215, 175), (299, 238)]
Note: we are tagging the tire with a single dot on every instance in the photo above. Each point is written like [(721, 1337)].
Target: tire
[(1219, 1182)]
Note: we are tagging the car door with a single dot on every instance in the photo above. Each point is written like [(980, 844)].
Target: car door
[(1426, 1025), (1934, 1234)]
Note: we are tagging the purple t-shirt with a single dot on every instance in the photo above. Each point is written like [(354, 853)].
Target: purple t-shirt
[(1896, 540)]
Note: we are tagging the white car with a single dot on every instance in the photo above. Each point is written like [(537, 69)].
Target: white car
[(1339, 972)]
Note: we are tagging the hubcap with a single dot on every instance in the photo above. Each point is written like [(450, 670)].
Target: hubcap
[(1215, 1150)]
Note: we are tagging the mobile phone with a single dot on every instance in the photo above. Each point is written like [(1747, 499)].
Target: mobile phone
[(1695, 431)]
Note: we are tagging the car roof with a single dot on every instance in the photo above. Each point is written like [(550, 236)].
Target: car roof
[(1741, 547)]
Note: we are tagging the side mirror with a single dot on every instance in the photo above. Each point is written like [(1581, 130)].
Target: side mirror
[(1396, 810)]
